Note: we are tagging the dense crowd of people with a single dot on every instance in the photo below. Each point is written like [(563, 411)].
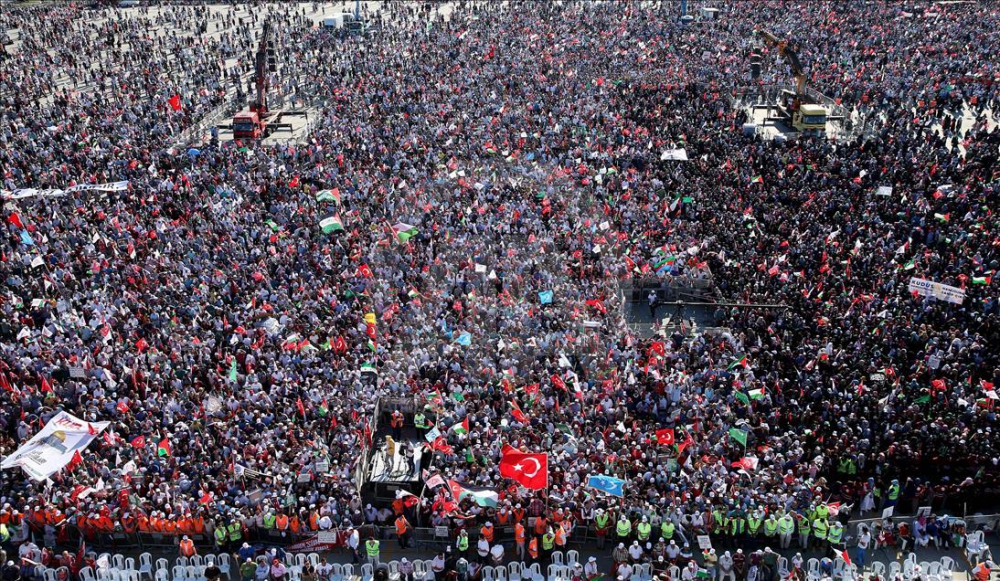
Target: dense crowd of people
[(209, 310)]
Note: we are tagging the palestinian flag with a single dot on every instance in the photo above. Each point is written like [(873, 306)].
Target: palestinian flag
[(403, 232), (461, 427), (328, 195), (163, 448), (371, 345), (982, 280), (910, 265), (331, 224), (757, 180), (740, 361), (943, 217), (368, 368), (484, 497), (756, 393)]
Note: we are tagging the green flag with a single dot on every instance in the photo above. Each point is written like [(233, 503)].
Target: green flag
[(232, 371), (923, 399), (738, 435), (742, 397)]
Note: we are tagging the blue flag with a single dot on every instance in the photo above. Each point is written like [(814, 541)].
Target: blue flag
[(465, 339), (608, 484), (26, 238), (545, 297)]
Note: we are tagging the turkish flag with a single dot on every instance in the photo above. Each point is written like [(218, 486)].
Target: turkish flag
[(139, 442), (529, 470), (665, 437), (175, 102)]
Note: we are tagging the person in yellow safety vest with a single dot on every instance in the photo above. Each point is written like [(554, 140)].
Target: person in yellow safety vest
[(771, 527), (643, 530), (519, 534), (235, 534), (719, 521), (220, 535), (269, 520), (371, 551), (602, 522), (786, 526), (823, 511), (836, 533), (667, 530), (187, 547), (820, 530), (533, 550), (548, 543), (462, 543), (623, 529), (754, 522), (805, 531), (403, 531), (892, 496)]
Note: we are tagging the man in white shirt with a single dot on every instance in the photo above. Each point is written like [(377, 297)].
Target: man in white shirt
[(483, 549), (590, 570), (864, 541), (353, 543), (635, 552)]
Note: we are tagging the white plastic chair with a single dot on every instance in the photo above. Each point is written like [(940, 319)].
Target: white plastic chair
[(675, 572), (501, 572), (975, 547), (782, 568), (313, 558), (337, 571), (87, 574), (489, 574), (295, 573), (348, 572), (366, 572), (131, 575), (161, 575), (225, 565), (947, 564), (300, 559), (118, 561), (933, 568), (552, 571), (196, 560), (514, 570), (49, 575), (878, 569), (195, 572), (536, 572), (812, 569), (393, 570), (909, 569), (838, 567), (645, 572), (557, 558), (182, 561), (895, 569), (162, 564), (178, 573)]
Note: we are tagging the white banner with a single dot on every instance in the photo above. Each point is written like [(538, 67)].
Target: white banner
[(22, 193), (940, 291), (53, 447), (674, 154)]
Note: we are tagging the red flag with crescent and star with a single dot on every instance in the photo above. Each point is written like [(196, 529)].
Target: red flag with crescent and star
[(529, 470)]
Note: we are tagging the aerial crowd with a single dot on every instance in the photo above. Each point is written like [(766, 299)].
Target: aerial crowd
[(495, 180)]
